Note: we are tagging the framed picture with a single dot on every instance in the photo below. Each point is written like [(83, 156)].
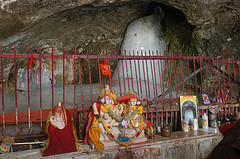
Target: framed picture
[(188, 110), (205, 99)]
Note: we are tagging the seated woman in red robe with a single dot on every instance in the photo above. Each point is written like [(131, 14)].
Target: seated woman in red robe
[(62, 136)]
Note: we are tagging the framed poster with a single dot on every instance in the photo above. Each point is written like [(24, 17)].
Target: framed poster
[(205, 99), (188, 110)]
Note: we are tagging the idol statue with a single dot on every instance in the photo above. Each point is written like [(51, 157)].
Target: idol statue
[(101, 119), (62, 136), (134, 103), (115, 121)]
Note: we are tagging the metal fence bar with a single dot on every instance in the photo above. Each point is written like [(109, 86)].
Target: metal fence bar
[(136, 73), (190, 92), (170, 79), (40, 88), (176, 79), (182, 75), (148, 86), (124, 85), (28, 89), (235, 76), (119, 79), (219, 83), (109, 68), (100, 80), (140, 83), (74, 88), (52, 80), (131, 72), (90, 77), (127, 71), (80, 79), (206, 65), (144, 76), (64, 76), (15, 77), (201, 75), (194, 66), (120, 57), (3, 115)]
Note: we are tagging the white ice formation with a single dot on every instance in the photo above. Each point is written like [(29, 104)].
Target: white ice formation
[(143, 37)]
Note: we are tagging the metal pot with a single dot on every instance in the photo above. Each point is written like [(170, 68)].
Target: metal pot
[(166, 130)]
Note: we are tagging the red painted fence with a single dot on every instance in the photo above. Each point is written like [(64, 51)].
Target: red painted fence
[(159, 79)]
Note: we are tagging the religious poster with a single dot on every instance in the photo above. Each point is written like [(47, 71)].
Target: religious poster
[(188, 110), (205, 99)]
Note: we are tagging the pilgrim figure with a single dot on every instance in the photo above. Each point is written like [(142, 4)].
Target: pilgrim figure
[(62, 136)]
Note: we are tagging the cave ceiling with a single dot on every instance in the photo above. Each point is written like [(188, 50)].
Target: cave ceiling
[(203, 26)]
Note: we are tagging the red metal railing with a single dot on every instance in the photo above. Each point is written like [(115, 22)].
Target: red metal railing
[(158, 79)]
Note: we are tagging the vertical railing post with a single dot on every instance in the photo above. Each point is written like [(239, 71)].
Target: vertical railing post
[(176, 76), (109, 68), (123, 72), (74, 89), (40, 88), (182, 74), (205, 59), (64, 76), (127, 70), (52, 79), (28, 82), (148, 86), (163, 108), (153, 80), (136, 71), (140, 82), (194, 66), (4, 128), (169, 78), (201, 72), (189, 74), (235, 80), (119, 79), (90, 77), (100, 81), (131, 71), (80, 78), (144, 76), (15, 77)]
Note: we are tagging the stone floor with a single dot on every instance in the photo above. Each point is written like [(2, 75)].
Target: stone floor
[(192, 145)]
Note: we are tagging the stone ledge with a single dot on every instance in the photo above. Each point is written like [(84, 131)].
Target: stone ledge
[(180, 145)]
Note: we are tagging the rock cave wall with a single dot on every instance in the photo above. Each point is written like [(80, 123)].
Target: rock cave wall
[(190, 26)]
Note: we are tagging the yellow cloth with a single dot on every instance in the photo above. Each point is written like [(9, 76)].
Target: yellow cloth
[(94, 135)]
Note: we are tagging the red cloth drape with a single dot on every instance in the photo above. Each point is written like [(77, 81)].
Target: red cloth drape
[(224, 129), (90, 119), (60, 140)]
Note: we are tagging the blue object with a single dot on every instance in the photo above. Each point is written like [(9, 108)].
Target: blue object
[(124, 139)]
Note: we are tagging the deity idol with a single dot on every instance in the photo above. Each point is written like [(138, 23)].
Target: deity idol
[(107, 101), (133, 116), (134, 103), (62, 136), (101, 120)]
